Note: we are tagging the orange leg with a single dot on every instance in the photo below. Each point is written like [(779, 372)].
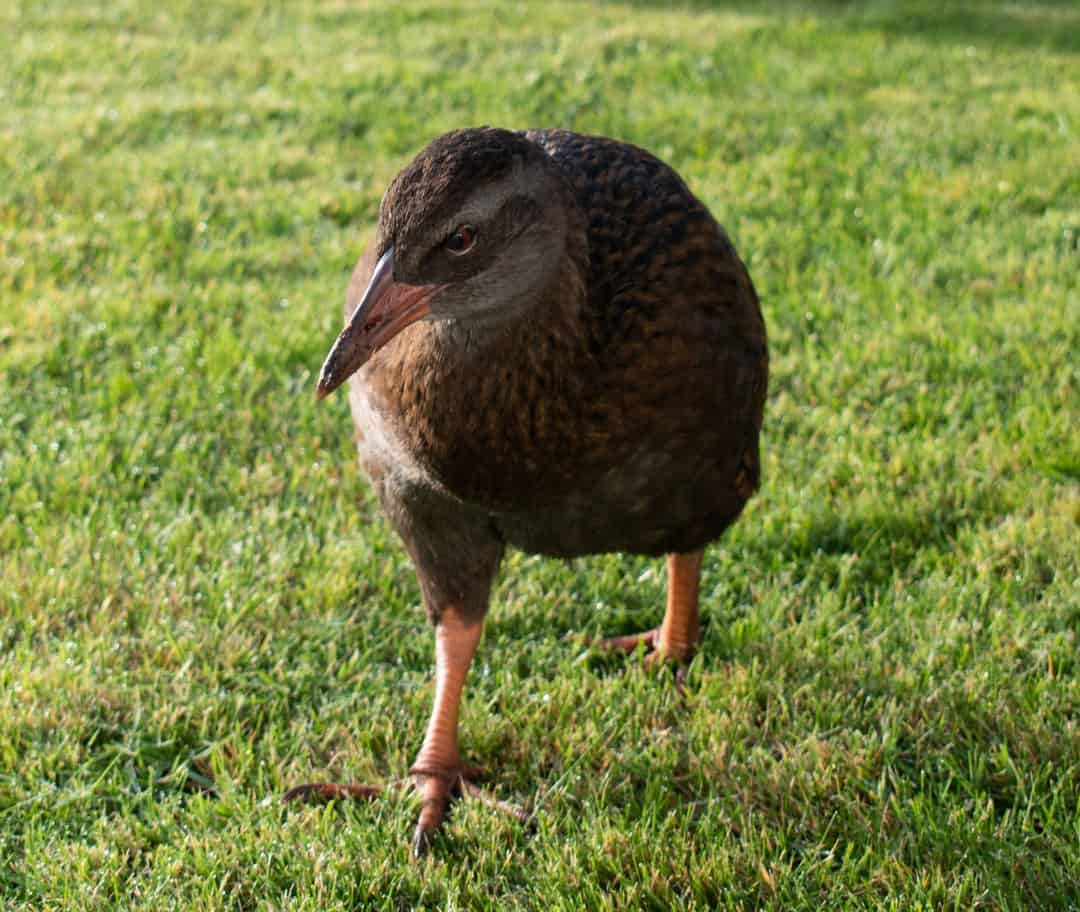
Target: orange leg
[(680, 630), (438, 773), (438, 765), (677, 636)]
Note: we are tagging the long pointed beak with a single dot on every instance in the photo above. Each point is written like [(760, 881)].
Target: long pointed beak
[(385, 309)]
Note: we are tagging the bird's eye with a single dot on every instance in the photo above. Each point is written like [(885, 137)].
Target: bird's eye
[(461, 240)]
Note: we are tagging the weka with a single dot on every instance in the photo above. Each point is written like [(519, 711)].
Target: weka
[(553, 345)]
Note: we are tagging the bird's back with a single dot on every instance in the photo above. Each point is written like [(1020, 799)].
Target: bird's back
[(679, 354), (653, 245)]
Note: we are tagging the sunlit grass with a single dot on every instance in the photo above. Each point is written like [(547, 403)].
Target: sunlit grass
[(200, 604)]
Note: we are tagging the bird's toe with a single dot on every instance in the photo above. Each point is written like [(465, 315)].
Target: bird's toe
[(315, 792), (627, 644), (422, 839), (657, 653), (436, 790)]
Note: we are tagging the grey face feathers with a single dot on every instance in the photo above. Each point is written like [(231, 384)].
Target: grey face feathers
[(472, 230), (504, 193)]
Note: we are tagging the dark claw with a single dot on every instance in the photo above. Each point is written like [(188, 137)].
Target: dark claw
[(421, 843), (680, 680)]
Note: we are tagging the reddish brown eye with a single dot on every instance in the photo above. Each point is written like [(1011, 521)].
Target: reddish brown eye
[(461, 240)]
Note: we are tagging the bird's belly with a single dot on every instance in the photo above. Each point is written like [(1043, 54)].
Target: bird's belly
[(664, 493), (654, 504)]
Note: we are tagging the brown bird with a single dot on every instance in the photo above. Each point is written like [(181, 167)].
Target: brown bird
[(554, 346)]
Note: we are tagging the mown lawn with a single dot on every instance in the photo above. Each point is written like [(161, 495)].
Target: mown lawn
[(200, 604)]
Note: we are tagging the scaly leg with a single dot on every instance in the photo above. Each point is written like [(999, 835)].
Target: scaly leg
[(680, 630), (438, 773), (677, 636), (438, 765)]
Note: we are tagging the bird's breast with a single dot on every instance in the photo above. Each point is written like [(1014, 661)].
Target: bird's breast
[(498, 426)]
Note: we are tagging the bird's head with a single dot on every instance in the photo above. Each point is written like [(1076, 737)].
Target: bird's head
[(473, 229)]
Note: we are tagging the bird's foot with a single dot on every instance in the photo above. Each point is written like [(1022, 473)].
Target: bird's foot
[(657, 653), (437, 788)]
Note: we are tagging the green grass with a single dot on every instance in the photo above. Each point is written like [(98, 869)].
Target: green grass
[(200, 604)]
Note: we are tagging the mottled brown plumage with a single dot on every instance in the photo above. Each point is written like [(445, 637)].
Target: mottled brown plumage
[(588, 376)]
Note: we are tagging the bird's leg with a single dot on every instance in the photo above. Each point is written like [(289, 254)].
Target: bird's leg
[(680, 629), (456, 558), (438, 773), (677, 636), (437, 768)]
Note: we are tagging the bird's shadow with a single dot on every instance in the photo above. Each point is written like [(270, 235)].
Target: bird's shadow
[(1050, 24), (864, 552)]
